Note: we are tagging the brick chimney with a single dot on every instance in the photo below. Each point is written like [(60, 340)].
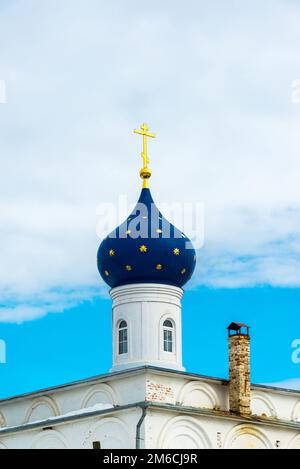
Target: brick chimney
[(239, 368)]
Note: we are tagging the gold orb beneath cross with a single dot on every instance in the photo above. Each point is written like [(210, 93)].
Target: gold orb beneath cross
[(145, 173)]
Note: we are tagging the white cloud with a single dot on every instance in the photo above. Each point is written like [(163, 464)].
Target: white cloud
[(44, 302), (213, 79), (19, 314), (250, 246), (287, 384)]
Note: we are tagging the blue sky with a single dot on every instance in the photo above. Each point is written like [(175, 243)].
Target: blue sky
[(214, 80), (61, 348)]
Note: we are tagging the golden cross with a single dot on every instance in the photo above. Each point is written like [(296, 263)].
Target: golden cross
[(145, 172)]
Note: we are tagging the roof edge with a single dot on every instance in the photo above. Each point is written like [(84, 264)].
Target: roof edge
[(136, 370)]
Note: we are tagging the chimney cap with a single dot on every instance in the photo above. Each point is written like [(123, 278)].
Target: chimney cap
[(238, 328)]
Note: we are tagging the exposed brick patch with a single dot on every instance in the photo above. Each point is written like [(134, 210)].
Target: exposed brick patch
[(159, 392)]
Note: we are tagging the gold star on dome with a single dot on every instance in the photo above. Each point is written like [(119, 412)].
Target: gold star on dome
[(106, 273), (128, 267), (176, 251), (143, 248), (183, 271), (158, 267), (158, 231), (111, 252)]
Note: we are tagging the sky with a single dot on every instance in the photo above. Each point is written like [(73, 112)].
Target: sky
[(214, 80)]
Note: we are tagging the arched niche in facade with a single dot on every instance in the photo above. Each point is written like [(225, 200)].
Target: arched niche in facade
[(296, 412), (2, 421), (294, 443), (247, 437), (262, 406), (42, 409), (111, 432), (49, 439), (197, 394), (100, 394), (183, 432)]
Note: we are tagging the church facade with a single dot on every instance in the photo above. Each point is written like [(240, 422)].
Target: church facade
[(148, 400), (149, 407)]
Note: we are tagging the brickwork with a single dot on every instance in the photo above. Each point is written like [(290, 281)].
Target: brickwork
[(159, 392), (239, 374)]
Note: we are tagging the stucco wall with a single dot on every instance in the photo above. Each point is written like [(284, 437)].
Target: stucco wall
[(163, 428)]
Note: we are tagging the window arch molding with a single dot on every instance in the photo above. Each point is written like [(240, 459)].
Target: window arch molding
[(104, 390), (108, 428), (167, 335), (296, 412), (262, 400), (45, 402), (246, 429), (185, 426), (2, 421), (294, 443), (49, 439), (122, 339)]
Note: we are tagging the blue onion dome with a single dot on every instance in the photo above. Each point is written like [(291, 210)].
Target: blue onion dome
[(146, 248)]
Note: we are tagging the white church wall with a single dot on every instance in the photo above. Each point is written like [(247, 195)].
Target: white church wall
[(123, 390), (270, 402), (251, 436), (296, 412), (130, 388), (167, 430), (163, 428), (195, 392), (247, 437), (183, 431), (262, 405), (113, 431), (2, 421), (278, 403), (42, 409), (51, 439), (153, 386), (294, 443), (202, 395), (14, 412), (100, 394)]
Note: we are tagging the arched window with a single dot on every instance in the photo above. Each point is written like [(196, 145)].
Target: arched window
[(168, 336), (123, 338)]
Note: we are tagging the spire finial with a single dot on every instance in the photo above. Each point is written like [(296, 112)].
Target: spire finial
[(145, 172)]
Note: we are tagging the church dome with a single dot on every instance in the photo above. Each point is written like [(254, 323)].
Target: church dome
[(146, 248)]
